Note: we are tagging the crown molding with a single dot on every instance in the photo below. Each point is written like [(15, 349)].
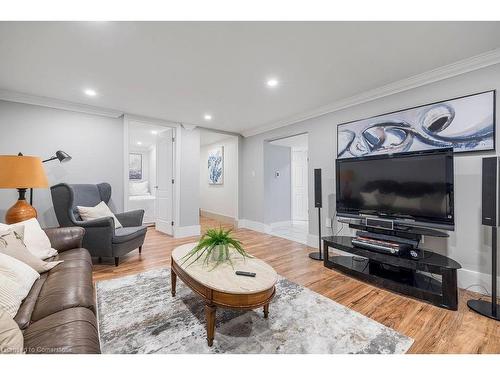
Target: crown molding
[(43, 101), (460, 67), (151, 120)]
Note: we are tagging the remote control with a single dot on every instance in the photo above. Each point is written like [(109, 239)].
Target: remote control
[(244, 273)]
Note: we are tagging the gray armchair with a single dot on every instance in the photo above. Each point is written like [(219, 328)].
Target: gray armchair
[(101, 238)]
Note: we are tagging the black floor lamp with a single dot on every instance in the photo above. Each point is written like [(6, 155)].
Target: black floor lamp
[(61, 156)]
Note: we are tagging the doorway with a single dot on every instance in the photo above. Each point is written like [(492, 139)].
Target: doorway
[(287, 160), (219, 171), (150, 172)]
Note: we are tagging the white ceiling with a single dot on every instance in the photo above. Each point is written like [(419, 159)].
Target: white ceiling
[(181, 70)]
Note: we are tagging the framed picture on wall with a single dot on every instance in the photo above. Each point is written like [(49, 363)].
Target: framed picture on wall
[(135, 166), (216, 166), (466, 123)]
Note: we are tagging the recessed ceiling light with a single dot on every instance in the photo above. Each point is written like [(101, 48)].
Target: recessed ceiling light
[(273, 82), (154, 132), (139, 143), (207, 117), (90, 92)]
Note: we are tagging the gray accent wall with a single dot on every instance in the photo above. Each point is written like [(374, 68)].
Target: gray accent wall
[(94, 142), (469, 244), (277, 189)]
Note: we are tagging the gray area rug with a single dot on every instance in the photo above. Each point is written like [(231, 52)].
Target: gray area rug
[(137, 314)]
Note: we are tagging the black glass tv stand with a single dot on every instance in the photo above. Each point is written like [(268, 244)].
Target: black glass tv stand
[(432, 278)]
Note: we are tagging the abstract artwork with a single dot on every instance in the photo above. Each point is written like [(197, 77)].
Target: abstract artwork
[(216, 166), (135, 167), (466, 124)]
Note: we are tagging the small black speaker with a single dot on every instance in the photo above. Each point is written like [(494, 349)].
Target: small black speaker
[(489, 210), (318, 200)]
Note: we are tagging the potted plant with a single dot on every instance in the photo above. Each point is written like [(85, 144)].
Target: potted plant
[(215, 245)]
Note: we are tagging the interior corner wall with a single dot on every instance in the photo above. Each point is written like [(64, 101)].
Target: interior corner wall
[(220, 199), (277, 183), (469, 244), (189, 177), (95, 144)]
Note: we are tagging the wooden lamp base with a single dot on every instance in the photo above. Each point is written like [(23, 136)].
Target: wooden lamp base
[(21, 210)]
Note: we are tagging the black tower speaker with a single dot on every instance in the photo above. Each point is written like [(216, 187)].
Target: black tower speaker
[(318, 200), (318, 203), (489, 215)]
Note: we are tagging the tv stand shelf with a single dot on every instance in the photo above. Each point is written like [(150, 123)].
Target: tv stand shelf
[(412, 277)]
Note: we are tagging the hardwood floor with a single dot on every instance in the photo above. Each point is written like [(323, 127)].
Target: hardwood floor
[(435, 330)]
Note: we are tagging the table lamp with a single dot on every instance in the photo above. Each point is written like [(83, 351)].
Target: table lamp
[(21, 172)]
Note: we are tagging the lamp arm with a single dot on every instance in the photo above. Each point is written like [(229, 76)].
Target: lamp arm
[(49, 159)]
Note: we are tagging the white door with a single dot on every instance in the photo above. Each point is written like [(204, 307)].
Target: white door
[(164, 182), (299, 185)]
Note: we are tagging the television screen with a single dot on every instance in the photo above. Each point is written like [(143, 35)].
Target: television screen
[(414, 186)]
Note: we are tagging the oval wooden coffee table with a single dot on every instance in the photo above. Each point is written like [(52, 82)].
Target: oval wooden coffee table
[(221, 287)]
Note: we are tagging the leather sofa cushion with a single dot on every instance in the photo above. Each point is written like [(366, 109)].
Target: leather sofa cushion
[(128, 233), (70, 257), (23, 316), (68, 331), (75, 258), (67, 285)]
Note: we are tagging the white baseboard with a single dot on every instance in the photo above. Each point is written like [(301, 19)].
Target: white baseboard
[(187, 231), (475, 281), (280, 224), (254, 225), (219, 217), (312, 240)]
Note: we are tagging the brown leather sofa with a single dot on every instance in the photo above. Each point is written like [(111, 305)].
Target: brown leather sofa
[(59, 316)]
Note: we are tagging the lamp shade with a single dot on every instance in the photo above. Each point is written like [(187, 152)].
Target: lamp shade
[(22, 172)]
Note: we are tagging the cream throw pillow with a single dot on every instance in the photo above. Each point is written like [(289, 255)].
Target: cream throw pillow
[(16, 280), (35, 239), (11, 244), (97, 212), (11, 337)]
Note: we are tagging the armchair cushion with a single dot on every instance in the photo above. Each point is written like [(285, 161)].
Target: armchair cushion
[(128, 233)]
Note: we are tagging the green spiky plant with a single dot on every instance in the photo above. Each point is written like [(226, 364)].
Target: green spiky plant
[(215, 240)]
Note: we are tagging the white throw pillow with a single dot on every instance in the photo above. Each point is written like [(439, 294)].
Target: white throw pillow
[(35, 239), (11, 337), (138, 188), (11, 244), (97, 212), (16, 280)]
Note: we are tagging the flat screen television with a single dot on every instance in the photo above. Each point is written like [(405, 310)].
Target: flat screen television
[(412, 189)]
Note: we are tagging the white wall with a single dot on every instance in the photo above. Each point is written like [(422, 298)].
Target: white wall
[(469, 244), (95, 144), (190, 178), (277, 189), (220, 199)]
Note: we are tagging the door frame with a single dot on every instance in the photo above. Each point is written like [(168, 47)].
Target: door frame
[(127, 118), (306, 149)]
